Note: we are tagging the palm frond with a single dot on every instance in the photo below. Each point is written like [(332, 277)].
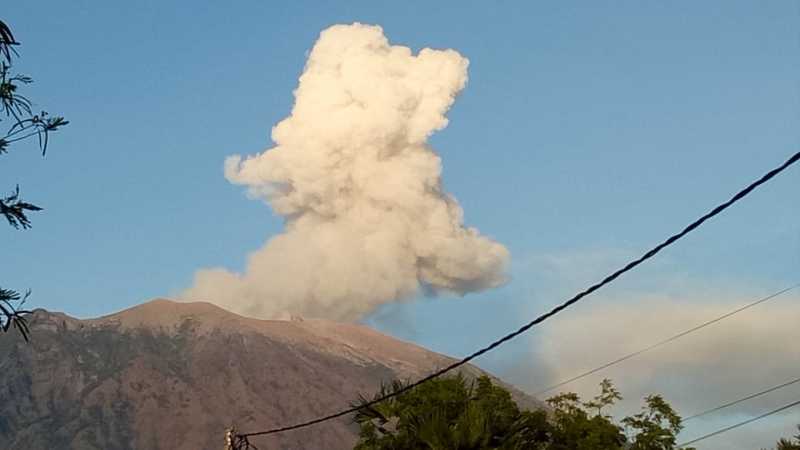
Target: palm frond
[(7, 42), (10, 313)]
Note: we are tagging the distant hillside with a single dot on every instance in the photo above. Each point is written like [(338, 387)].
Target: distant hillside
[(167, 375)]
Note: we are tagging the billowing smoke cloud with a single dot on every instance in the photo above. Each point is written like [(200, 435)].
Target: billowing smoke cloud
[(736, 356), (367, 221), (743, 354)]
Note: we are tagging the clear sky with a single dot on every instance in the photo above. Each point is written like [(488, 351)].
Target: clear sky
[(587, 132)]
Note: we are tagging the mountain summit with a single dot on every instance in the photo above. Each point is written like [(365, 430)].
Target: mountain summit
[(170, 375)]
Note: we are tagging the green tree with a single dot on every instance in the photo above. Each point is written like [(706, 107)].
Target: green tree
[(789, 444), (17, 110), (449, 413), (582, 425), (455, 414), (655, 427)]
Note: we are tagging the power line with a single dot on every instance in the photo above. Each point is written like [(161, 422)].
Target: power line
[(726, 429), (738, 196), (665, 341), (652, 252), (734, 402)]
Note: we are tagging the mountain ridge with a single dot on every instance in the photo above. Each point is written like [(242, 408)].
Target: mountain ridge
[(168, 374)]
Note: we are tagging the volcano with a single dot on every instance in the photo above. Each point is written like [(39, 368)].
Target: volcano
[(170, 375)]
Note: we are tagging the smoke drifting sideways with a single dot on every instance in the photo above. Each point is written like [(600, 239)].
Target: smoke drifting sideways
[(366, 219)]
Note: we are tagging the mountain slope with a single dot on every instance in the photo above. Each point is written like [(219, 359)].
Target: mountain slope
[(167, 375)]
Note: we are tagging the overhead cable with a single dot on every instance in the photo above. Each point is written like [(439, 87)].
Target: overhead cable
[(743, 399), (649, 254), (665, 341), (726, 429)]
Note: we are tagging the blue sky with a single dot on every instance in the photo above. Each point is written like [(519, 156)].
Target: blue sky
[(586, 133)]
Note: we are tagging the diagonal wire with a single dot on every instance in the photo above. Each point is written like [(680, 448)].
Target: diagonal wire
[(652, 252), (726, 429), (735, 402), (665, 341)]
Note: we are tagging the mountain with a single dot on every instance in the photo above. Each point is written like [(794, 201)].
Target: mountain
[(169, 375)]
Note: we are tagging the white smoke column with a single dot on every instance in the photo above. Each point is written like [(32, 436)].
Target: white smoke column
[(367, 221)]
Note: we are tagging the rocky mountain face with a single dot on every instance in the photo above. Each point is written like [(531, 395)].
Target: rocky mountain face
[(167, 375)]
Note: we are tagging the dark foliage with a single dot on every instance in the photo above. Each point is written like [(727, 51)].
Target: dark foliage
[(7, 42), (13, 209), (17, 109), (455, 414), (10, 313), (789, 444)]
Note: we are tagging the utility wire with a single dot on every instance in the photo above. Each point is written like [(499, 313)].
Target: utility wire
[(652, 252), (726, 429), (734, 402), (665, 341)]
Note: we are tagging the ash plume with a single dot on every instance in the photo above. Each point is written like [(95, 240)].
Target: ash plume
[(366, 218)]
